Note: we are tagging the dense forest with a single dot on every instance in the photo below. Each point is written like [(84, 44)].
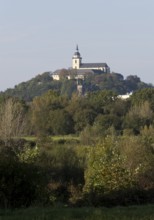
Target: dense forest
[(92, 82), (95, 149)]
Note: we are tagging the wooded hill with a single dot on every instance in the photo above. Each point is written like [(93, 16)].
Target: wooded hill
[(93, 82)]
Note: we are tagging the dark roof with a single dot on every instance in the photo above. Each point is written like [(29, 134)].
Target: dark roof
[(93, 65), (77, 54), (80, 71), (85, 71), (56, 72)]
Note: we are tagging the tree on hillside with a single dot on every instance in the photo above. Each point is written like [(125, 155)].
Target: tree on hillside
[(68, 87), (146, 94)]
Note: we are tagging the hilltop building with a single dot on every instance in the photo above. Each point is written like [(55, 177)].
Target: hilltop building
[(82, 69), (77, 64), (125, 96)]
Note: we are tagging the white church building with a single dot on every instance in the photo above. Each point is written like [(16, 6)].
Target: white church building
[(83, 68), (77, 63)]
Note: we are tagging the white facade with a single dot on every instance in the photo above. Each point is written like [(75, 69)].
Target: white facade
[(126, 96), (79, 66), (55, 76)]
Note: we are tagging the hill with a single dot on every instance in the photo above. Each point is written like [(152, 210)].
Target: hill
[(92, 82)]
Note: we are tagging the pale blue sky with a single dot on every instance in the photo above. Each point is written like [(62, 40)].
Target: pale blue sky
[(41, 35)]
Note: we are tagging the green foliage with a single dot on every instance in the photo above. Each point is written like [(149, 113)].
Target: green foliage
[(101, 101), (40, 84), (68, 87), (63, 162), (143, 95), (139, 157), (119, 171), (111, 162), (83, 117), (65, 172), (34, 87), (21, 184), (139, 116), (106, 171), (49, 116), (115, 82), (104, 122), (13, 118), (55, 114), (29, 154), (61, 122)]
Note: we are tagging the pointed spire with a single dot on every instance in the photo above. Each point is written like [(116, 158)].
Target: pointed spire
[(77, 54)]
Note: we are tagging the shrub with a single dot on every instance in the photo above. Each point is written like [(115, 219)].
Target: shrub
[(21, 184), (106, 173)]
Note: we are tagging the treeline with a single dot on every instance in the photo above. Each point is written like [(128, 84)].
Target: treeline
[(92, 82), (108, 159), (54, 114)]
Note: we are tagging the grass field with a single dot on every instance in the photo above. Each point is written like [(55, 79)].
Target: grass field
[(55, 138), (55, 213)]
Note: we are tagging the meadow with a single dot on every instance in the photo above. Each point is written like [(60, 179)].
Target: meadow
[(145, 212)]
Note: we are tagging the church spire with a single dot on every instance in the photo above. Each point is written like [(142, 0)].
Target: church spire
[(77, 54), (76, 59)]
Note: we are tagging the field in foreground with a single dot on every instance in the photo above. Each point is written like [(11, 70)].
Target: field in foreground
[(118, 213)]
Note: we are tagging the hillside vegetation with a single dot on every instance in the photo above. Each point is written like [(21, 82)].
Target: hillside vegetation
[(44, 82)]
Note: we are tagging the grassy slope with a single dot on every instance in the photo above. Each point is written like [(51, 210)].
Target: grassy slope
[(118, 213)]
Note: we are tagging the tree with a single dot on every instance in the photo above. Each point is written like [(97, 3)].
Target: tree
[(21, 184), (68, 87), (13, 119), (101, 101), (139, 157), (61, 122), (106, 172), (139, 116), (63, 74), (83, 117), (45, 111), (143, 95), (106, 121)]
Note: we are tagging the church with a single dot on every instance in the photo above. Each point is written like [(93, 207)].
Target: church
[(82, 69), (77, 63)]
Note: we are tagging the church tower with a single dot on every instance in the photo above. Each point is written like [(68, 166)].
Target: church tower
[(76, 59)]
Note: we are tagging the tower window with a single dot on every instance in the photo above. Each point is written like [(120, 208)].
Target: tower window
[(75, 61)]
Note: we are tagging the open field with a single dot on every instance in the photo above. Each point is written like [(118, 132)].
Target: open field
[(55, 138), (57, 213)]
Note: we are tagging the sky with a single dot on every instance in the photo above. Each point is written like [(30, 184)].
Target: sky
[(41, 35)]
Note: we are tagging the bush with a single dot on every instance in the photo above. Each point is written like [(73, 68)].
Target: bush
[(21, 184), (106, 173)]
